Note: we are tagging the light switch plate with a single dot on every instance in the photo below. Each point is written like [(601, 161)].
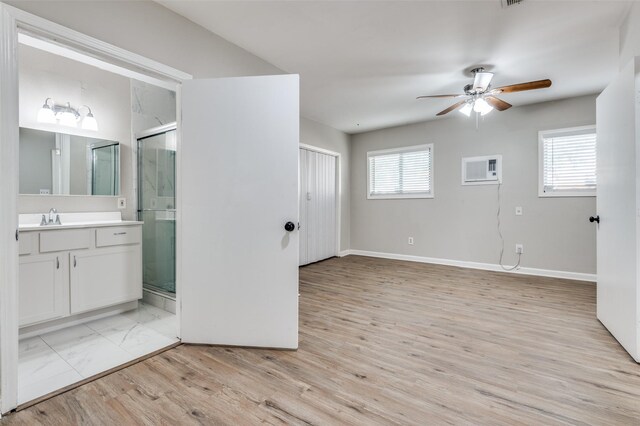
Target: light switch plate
[(518, 211), (122, 203)]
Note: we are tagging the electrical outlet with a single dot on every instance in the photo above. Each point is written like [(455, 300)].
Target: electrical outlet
[(122, 203), (519, 211), (410, 241), (519, 248)]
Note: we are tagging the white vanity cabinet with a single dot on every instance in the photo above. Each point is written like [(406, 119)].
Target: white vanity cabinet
[(43, 290), (65, 272)]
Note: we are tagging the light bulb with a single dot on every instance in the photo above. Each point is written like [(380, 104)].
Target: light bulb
[(90, 123), (67, 118), (45, 114), (481, 106), (466, 109)]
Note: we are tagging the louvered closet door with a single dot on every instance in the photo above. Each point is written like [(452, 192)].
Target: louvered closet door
[(318, 207), (304, 183)]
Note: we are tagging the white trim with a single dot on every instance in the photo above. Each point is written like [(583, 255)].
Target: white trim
[(475, 265), (8, 213), (412, 148), (553, 194), (55, 33), (13, 20), (320, 150), (59, 50), (338, 189)]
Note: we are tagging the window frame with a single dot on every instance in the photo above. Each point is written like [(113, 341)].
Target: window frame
[(412, 148), (554, 194)]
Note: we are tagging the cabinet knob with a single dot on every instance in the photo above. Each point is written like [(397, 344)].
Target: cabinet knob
[(289, 226)]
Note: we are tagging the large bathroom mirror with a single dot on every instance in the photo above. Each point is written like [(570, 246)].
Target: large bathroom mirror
[(63, 164)]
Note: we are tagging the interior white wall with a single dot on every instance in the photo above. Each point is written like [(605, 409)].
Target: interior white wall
[(460, 222), (321, 136), (629, 37), (45, 75)]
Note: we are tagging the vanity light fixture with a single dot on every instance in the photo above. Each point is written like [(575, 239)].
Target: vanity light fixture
[(46, 114), (66, 115)]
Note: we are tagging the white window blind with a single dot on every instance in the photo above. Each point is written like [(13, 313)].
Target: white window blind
[(401, 173), (568, 162)]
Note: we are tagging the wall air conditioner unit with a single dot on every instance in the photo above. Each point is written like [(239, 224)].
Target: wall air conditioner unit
[(486, 170)]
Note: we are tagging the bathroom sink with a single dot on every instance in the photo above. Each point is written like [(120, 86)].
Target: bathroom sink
[(32, 221)]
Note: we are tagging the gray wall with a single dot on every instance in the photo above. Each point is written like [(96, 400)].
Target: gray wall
[(460, 222), (321, 136)]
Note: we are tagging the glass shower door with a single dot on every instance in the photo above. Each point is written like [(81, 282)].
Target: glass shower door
[(105, 173), (157, 208)]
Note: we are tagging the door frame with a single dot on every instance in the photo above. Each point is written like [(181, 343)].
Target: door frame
[(338, 188), (14, 21)]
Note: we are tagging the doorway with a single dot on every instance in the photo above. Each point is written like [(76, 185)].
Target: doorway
[(157, 209), (318, 205)]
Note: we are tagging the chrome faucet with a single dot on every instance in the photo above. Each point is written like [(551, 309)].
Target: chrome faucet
[(52, 212)]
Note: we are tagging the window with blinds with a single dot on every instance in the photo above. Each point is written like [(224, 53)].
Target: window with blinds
[(568, 162), (401, 173)]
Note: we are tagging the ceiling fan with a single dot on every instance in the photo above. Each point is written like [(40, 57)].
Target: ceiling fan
[(481, 98)]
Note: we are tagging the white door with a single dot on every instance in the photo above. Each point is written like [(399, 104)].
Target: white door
[(318, 206), (617, 305), (238, 189)]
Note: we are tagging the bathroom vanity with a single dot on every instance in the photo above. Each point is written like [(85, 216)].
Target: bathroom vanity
[(88, 262)]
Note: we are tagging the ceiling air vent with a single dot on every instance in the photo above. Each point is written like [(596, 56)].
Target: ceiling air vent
[(507, 3)]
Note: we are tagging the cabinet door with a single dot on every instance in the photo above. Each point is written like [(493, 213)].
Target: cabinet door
[(104, 277), (43, 291)]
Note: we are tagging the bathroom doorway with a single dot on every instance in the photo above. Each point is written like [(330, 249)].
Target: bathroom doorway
[(157, 209)]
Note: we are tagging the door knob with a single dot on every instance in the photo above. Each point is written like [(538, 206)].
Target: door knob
[(289, 226), (594, 219)]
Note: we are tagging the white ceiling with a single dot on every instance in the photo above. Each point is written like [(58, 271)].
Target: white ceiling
[(362, 63)]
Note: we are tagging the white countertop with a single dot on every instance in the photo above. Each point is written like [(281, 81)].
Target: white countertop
[(31, 221), (73, 225)]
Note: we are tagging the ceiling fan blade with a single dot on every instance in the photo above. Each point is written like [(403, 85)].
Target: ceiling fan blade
[(532, 85), (452, 107), (498, 104), (481, 81), (439, 96)]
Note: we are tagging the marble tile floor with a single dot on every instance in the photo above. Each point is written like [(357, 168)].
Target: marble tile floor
[(54, 360)]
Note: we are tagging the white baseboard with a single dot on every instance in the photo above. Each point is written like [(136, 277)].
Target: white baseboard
[(474, 265)]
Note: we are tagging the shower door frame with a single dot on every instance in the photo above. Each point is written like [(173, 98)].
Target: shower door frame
[(138, 137), (14, 24)]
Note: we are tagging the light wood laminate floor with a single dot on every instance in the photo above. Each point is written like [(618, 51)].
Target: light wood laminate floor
[(388, 342)]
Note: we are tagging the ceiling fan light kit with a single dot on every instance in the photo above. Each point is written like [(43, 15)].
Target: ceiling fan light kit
[(481, 98)]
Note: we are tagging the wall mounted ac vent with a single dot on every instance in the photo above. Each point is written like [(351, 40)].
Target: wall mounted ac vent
[(507, 3), (486, 170)]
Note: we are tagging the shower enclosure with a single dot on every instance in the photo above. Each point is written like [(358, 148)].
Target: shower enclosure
[(157, 208)]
